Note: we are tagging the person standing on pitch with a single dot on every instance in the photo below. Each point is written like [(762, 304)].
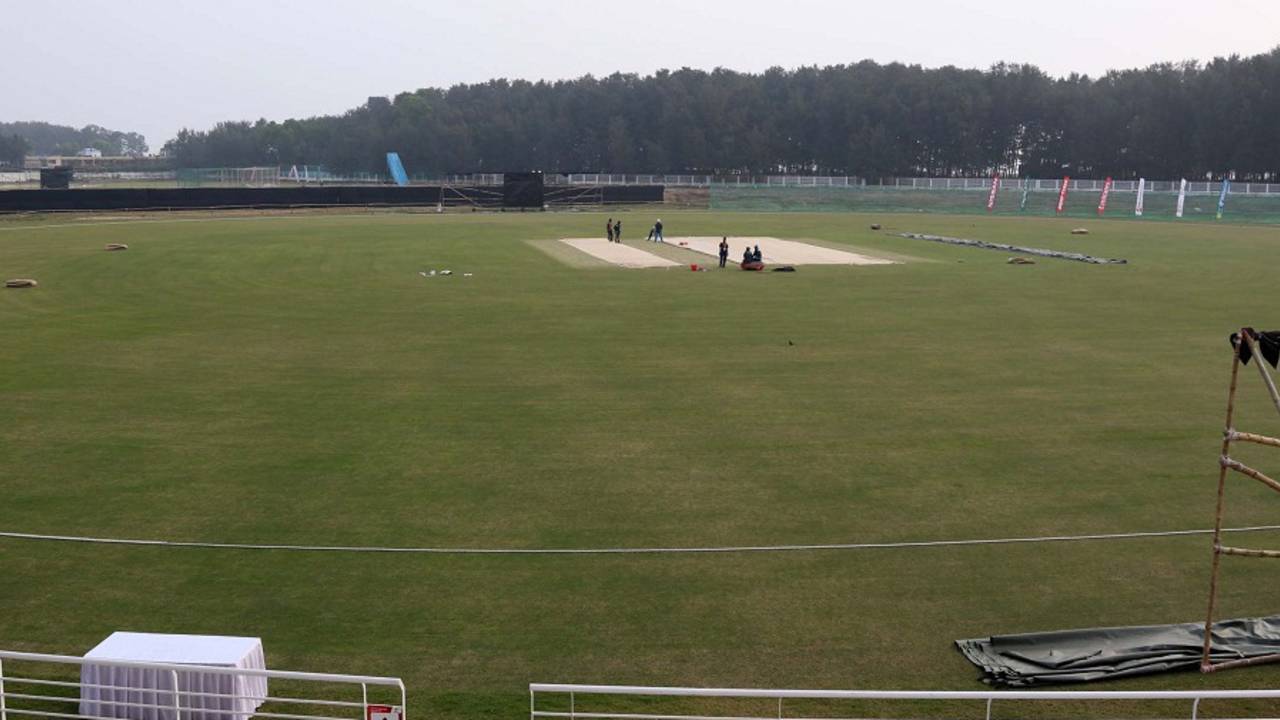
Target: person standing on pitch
[(617, 232), (724, 250), (657, 231), (608, 229)]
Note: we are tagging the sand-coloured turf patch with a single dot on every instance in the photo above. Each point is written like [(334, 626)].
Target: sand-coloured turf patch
[(617, 253), (779, 252)]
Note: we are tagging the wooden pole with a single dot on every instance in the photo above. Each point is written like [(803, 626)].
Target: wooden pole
[(1255, 438), (1206, 665), (1250, 472), (1246, 552), (1245, 662)]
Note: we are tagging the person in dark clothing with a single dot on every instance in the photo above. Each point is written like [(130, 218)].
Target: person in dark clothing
[(747, 256), (657, 231), (608, 229), (617, 232), (757, 255), (724, 250)]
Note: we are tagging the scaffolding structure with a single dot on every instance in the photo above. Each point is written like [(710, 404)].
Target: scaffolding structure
[(1263, 348)]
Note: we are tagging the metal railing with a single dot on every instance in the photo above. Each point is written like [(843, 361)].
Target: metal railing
[(34, 692), (672, 180), (681, 180), (310, 174), (1198, 187), (571, 707)]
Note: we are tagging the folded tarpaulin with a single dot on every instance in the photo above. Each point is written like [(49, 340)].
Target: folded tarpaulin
[(1071, 656)]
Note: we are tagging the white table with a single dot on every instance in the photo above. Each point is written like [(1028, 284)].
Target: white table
[(120, 691)]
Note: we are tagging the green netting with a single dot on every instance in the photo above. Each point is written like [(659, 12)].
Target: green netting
[(227, 176), (1240, 208)]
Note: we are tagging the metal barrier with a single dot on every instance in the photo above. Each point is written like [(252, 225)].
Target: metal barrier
[(698, 181), (34, 692), (777, 711), (1194, 187)]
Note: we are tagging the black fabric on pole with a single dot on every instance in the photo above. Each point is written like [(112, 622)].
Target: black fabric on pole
[(1268, 344), (1074, 656), (522, 190)]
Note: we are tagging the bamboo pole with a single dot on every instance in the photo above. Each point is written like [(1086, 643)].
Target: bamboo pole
[(1247, 552), (1205, 664), (1250, 472), (1254, 438), (1228, 664)]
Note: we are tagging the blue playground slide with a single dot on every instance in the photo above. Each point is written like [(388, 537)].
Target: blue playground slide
[(397, 169)]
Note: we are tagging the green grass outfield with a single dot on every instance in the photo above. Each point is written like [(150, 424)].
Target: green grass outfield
[(294, 380)]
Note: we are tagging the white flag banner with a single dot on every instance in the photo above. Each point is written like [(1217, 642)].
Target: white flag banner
[(1182, 196), (1142, 193)]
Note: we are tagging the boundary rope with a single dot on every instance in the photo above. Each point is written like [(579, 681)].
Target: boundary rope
[(628, 550)]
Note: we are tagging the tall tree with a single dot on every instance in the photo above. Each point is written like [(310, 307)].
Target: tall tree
[(1166, 120), (13, 150), (47, 139)]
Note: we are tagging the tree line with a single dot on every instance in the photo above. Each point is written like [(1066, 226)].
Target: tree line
[(42, 138), (13, 150), (1168, 120)]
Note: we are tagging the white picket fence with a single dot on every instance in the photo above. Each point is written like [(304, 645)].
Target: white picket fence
[(702, 181), (284, 176), (50, 686), (575, 701), (1054, 185), (838, 181)]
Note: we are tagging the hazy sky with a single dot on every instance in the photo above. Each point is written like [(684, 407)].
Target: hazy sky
[(155, 66)]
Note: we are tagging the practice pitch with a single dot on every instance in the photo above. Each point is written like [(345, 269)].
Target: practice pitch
[(617, 253), (779, 252)]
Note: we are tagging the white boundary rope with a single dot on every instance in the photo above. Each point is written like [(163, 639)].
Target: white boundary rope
[(626, 550), (545, 551)]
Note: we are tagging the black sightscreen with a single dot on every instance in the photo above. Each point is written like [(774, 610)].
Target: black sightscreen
[(58, 178), (522, 190), (476, 196)]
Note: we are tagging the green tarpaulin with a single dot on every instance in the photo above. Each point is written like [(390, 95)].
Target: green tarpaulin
[(1071, 656)]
